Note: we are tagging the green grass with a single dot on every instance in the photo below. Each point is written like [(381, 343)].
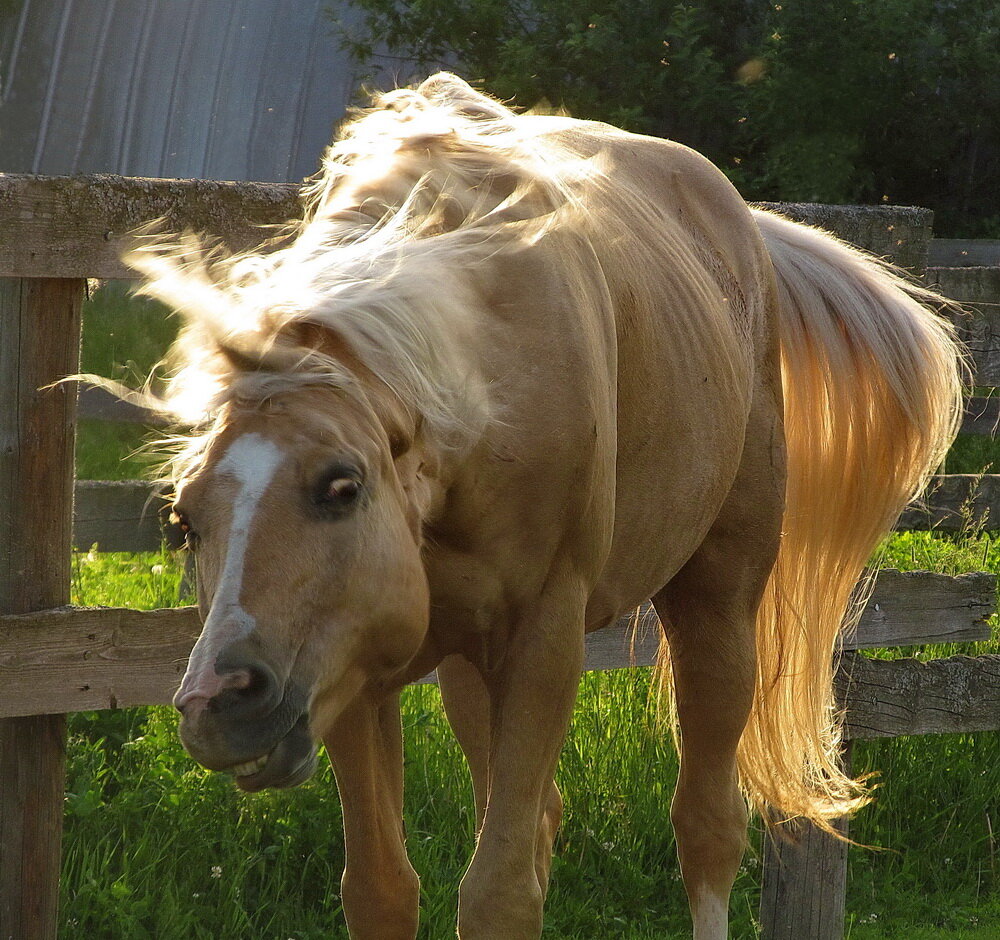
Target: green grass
[(146, 828), (156, 847)]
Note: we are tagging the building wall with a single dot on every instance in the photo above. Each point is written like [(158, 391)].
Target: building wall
[(217, 89)]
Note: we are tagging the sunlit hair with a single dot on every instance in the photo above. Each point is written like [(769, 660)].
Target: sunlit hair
[(412, 195)]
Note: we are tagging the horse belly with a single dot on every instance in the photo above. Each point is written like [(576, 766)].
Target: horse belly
[(673, 476), (693, 292)]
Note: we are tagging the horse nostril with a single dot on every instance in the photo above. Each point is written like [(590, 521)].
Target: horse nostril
[(247, 690), (242, 679)]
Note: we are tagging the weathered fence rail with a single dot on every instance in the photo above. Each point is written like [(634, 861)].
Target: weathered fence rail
[(78, 226), (55, 659), (128, 516), (86, 658), (964, 252)]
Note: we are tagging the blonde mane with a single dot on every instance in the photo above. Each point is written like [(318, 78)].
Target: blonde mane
[(410, 196)]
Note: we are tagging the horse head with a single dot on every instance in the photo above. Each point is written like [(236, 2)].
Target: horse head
[(310, 581)]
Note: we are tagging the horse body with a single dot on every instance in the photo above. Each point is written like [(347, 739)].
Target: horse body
[(653, 415), (495, 394), (631, 453)]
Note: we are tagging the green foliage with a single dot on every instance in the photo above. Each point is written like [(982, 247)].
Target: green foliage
[(126, 336), (934, 815), (830, 101), (658, 67)]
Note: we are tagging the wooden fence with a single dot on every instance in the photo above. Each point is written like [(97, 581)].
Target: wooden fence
[(54, 658)]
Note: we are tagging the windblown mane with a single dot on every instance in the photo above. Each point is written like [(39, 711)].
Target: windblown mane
[(413, 192)]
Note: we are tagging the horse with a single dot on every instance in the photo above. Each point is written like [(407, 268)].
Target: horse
[(510, 376)]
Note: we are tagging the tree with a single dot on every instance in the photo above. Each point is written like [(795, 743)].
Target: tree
[(826, 100)]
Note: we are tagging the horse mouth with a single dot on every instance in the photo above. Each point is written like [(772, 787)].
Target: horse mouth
[(291, 762)]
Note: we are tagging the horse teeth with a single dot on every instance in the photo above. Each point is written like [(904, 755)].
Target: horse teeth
[(251, 767)]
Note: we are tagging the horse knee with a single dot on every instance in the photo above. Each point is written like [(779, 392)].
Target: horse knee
[(380, 905), (711, 833), (495, 907)]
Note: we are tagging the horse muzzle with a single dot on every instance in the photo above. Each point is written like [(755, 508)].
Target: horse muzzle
[(253, 727)]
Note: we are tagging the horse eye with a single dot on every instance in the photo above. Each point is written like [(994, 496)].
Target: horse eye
[(343, 490), (340, 489), (191, 538)]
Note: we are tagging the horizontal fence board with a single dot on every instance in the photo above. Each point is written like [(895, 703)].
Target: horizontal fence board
[(978, 289), (632, 641), (120, 516), (979, 330), (982, 416), (972, 286), (77, 659), (896, 697), (80, 658), (78, 226), (127, 515), (900, 234), (101, 405), (964, 252), (909, 608), (954, 502)]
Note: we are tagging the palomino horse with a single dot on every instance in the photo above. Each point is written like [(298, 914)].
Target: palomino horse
[(511, 376)]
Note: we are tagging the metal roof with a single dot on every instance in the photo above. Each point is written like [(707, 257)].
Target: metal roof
[(216, 89)]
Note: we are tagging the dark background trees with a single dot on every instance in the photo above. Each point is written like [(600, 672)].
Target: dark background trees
[(829, 101)]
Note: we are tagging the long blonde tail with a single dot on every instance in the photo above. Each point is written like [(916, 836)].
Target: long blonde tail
[(873, 383)]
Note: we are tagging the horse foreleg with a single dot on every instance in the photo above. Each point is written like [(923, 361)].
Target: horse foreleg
[(531, 700), (467, 704), (380, 889)]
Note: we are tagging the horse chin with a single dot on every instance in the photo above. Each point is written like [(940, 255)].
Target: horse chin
[(291, 762)]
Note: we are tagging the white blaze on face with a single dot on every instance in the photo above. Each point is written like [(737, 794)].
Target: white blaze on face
[(252, 461)]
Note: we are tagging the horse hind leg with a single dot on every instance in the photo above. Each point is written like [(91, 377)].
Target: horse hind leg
[(713, 690), (709, 611)]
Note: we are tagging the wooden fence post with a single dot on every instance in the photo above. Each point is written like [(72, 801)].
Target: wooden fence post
[(39, 343), (804, 882)]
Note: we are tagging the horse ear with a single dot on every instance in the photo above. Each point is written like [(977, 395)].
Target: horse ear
[(326, 340), (240, 357)]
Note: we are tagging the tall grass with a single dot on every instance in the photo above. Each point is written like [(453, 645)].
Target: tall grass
[(156, 847)]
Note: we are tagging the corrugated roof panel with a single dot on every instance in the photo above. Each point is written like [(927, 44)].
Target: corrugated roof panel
[(325, 80), (96, 54), (25, 95), (222, 89), (231, 94), (142, 141), (190, 115)]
